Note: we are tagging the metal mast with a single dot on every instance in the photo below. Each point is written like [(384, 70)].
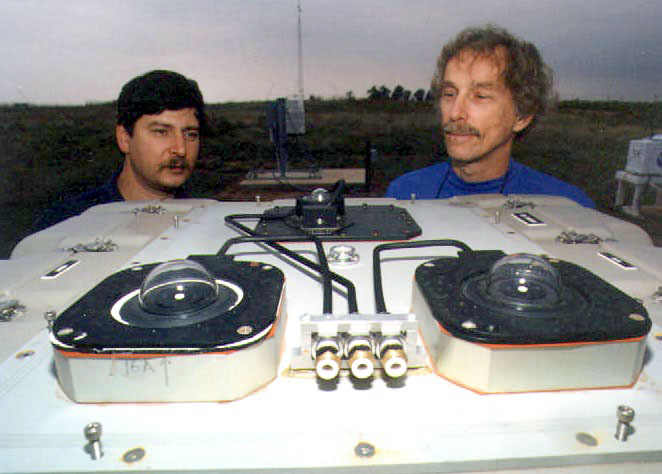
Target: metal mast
[(300, 50)]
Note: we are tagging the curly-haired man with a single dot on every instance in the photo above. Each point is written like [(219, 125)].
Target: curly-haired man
[(490, 87)]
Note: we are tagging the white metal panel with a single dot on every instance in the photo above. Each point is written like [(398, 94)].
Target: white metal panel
[(422, 424)]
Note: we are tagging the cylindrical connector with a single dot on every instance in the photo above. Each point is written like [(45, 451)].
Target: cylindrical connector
[(392, 356), (327, 358), (360, 356)]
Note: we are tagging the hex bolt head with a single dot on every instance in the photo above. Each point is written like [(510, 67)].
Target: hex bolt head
[(50, 316)]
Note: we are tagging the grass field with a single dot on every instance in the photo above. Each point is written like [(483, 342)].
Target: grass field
[(49, 153)]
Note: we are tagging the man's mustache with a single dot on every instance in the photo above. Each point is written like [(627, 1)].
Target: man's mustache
[(176, 162), (459, 129)]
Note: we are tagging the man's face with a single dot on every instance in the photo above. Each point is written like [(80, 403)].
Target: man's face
[(162, 151), (478, 114)]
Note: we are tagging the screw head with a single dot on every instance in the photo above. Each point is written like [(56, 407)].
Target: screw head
[(93, 431), (625, 414)]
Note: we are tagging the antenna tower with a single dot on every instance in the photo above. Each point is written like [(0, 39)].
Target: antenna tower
[(300, 51)]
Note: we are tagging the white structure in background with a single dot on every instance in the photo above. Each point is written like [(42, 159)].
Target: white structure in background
[(643, 168)]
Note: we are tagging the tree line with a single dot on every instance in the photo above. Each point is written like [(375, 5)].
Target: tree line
[(398, 93)]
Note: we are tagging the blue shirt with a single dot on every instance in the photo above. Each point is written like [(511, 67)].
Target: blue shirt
[(440, 181)]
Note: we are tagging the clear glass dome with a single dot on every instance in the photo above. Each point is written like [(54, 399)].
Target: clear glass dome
[(177, 287), (524, 279), (319, 195)]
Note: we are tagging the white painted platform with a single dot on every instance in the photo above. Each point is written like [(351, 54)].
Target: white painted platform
[(295, 424)]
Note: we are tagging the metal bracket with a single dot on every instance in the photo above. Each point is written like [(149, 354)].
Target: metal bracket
[(9, 309), (572, 237), (150, 209), (517, 204), (98, 245)]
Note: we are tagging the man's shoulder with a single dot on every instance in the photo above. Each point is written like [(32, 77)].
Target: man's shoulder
[(74, 205), (423, 182), (531, 181)]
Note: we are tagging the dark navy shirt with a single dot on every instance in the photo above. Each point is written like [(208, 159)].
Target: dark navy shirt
[(440, 181), (106, 193)]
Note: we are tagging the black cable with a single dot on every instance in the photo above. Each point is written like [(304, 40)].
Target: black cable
[(380, 304), (322, 268)]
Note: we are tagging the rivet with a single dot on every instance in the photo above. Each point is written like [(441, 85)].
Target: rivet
[(24, 354), (587, 439), (244, 330), (364, 450), (133, 455), (468, 325)]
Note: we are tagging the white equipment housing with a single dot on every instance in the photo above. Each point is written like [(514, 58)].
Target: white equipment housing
[(417, 422), (645, 156), (643, 169)]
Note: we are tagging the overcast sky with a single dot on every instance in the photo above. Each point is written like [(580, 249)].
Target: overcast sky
[(78, 51)]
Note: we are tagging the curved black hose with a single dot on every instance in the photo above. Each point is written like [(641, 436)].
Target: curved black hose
[(322, 268), (380, 304)]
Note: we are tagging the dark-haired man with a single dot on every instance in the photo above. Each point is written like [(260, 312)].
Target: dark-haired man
[(490, 87), (160, 117)]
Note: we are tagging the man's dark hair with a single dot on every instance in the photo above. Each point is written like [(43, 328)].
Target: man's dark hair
[(156, 92), (527, 77)]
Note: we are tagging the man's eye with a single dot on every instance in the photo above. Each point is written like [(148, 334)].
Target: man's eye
[(160, 131), (448, 93), (192, 135)]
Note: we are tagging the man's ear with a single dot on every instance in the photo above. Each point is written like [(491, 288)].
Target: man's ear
[(522, 123), (123, 138)]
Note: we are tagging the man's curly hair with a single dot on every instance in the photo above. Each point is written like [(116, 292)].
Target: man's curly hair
[(525, 74)]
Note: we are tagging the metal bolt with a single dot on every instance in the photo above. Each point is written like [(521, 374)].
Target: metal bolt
[(92, 433), (176, 219), (625, 415), (50, 317)]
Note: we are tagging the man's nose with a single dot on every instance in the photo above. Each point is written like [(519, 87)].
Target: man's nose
[(458, 108), (178, 144)]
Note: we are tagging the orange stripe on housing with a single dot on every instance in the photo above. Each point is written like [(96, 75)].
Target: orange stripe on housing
[(547, 344)]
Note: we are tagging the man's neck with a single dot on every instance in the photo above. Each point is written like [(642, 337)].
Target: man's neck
[(132, 190), (481, 170)]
